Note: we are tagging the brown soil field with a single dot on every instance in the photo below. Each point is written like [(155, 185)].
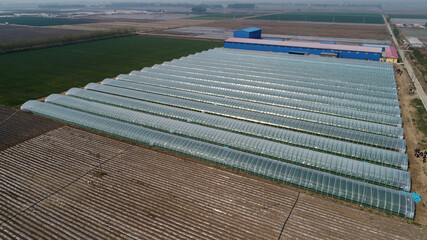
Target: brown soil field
[(142, 27), (16, 126), (11, 32), (56, 189), (413, 137), (106, 19), (306, 29)]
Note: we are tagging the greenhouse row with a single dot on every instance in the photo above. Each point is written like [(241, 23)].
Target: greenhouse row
[(338, 165), (250, 81), (335, 71), (333, 110), (257, 117), (281, 72), (363, 75), (292, 65), (385, 199), (257, 97), (313, 142), (258, 75), (284, 118), (327, 109), (269, 79), (230, 90), (264, 98), (262, 70), (381, 129), (258, 79)]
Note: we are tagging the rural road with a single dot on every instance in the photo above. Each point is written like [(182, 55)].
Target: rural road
[(408, 67)]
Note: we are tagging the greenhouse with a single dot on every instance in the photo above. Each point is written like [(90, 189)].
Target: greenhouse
[(347, 149), (270, 78), (263, 118), (263, 94), (331, 126), (303, 115), (274, 105), (338, 165)]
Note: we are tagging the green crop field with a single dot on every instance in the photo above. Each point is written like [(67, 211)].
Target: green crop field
[(37, 73), (220, 16), (42, 21), (339, 17), (413, 16)]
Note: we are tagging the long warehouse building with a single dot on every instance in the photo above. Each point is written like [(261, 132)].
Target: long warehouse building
[(306, 48), (332, 126)]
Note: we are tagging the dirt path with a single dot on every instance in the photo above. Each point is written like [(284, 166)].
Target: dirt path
[(413, 138)]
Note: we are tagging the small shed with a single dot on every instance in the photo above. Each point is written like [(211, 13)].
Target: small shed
[(252, 32)]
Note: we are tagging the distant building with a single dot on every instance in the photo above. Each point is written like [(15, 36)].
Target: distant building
[(253, 32), (414, 42)]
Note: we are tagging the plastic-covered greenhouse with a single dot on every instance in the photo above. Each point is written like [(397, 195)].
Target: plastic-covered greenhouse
[(265, 118), (323, 144), (331, 126)]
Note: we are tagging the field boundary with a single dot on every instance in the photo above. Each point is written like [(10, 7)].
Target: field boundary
[(23, 45), (292, 209), (178, 36)]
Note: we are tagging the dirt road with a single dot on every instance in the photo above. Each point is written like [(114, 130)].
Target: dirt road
[(413, 138)]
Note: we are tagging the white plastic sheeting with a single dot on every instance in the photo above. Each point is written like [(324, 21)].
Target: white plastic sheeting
[(261, 117), (347, 149), (308, 158)]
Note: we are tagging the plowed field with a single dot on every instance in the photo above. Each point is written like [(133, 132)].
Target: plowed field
[(53, 187)]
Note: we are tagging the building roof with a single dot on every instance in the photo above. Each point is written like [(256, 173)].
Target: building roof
[(375, 45), (414, 41), (252, 29), (306, 45), (391, 52)]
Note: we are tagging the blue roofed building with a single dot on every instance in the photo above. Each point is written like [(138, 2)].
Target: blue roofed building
[(252, 32)]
